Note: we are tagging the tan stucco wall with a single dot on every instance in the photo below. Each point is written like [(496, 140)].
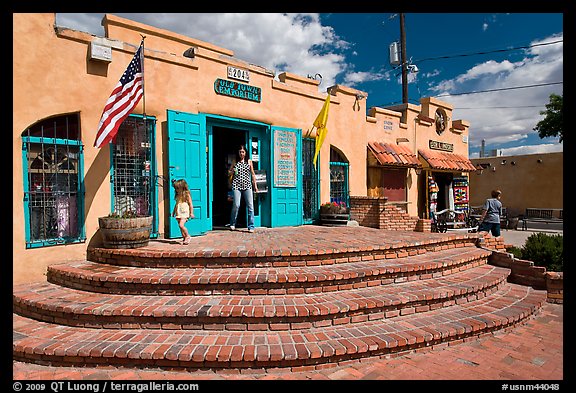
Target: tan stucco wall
[(53, 75), (528, 183)]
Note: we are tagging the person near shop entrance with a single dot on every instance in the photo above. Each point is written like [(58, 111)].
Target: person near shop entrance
[(242, 180), (491, 212), (183, 210)]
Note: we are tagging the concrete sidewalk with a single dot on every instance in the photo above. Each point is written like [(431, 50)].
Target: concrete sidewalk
[(517, 237)]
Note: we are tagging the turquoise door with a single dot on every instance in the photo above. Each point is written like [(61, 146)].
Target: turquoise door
[(286, 177), (187, 160)]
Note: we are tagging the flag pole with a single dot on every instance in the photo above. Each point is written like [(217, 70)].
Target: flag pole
[(143, 80)]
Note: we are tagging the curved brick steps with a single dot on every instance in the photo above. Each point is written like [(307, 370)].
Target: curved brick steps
[(52, 303), (243, 251), (47, 343), (100, 277), (283, 297)]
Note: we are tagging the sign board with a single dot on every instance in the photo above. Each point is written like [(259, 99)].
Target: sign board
[(261, 181), (238, 74), (441, 146), (284, 159), (237, 90)]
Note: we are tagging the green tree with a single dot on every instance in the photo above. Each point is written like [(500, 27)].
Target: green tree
[(552, 124)]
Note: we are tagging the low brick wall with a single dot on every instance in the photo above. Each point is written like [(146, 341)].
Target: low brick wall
[(523, 272), (377, 212)]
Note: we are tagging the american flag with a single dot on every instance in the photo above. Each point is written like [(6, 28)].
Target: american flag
[(123, 99)]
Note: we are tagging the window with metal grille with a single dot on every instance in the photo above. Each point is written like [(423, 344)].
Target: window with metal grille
[(310, 180), (338, 177), (131, 162), (52, 154)]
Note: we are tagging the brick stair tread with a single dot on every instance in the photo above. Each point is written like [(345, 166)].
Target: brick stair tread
[(279, 245), (49, 299), (45, 342), (100, 276)]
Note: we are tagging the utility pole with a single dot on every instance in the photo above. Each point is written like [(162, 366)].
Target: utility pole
[(403, 59)]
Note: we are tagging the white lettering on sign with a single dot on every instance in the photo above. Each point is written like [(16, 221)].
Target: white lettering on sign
[(239, 74), (441, 146)]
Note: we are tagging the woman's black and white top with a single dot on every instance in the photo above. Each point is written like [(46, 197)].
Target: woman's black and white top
[(242, 176)]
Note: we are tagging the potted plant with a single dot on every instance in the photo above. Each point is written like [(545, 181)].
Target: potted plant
[(126, 230), (334, 213)]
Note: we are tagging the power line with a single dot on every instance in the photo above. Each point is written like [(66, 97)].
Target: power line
[(487, 52), (502, 89), (506, 107)]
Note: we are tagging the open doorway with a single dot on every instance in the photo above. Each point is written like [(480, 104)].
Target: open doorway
[(226, 142), (444, 181)]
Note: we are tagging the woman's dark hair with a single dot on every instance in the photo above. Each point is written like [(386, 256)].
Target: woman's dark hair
[(242, 147)]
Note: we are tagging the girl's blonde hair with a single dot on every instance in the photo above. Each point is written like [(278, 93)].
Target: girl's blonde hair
[(181, 188)]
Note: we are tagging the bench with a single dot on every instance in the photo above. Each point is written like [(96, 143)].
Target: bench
[(476, 212), (546, 216), (451, 220)]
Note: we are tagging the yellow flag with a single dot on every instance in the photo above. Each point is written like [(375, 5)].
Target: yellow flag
[(320, 124)]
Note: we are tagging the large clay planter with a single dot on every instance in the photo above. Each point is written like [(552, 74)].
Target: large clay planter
[(125, 232)]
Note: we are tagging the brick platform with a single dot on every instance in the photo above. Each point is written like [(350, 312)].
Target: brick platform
[(278, 298)]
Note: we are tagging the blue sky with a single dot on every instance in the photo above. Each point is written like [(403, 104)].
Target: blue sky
[(497, 70)]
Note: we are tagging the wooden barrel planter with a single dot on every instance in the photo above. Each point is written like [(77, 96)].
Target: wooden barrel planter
[(125, 232), (334, 219)]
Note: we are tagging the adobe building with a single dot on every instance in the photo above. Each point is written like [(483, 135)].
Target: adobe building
[(526, 181), (390, 165)]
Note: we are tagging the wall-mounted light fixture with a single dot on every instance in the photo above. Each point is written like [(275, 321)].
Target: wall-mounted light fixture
[(360, 97), (418, 171), (539, 161), (512, 162), (480, 168), (503, 162), (189, 53)]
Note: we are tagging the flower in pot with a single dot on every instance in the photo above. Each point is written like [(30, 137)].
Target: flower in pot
[(334, 213)]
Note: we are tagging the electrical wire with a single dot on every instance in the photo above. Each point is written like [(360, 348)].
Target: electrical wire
[(501, 89), (487, 52)]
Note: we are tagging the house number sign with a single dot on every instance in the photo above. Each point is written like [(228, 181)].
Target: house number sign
[(238, 74)]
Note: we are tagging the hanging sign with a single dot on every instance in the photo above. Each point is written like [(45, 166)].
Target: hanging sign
[(237, 90)]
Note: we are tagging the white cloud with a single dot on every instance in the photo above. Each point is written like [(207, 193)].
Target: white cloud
[(296, 43), (527, 149), (507, 116)]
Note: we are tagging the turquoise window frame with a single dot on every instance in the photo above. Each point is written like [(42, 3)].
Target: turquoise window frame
[(30, 244), (346, 186)]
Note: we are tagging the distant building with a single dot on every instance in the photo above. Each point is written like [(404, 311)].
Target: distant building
[(531, 180)]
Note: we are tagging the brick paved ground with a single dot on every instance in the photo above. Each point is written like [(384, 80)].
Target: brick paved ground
[(533, 352)]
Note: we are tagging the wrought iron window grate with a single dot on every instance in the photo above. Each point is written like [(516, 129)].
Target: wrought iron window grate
[(310, 180), (339, 189), (131, 168), (53, 203)]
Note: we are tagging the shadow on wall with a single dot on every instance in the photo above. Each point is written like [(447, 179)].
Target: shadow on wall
[(95, 177)]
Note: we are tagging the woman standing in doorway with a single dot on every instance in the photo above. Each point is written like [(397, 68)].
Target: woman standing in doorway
[(243, 177)]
